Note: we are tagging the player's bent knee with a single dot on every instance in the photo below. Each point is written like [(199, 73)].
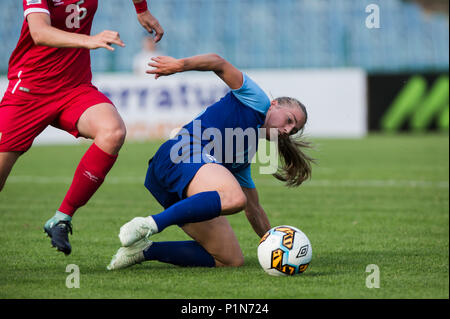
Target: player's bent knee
[(237, 262), (240, 201), (234, 202), (119, 135), (112, 138)]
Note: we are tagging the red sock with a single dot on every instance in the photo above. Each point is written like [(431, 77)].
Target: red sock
[(89, 175)]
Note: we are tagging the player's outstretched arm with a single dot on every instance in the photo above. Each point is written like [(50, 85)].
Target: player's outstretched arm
[(165, 65), (147, 20), (255, 213), (44, 34)]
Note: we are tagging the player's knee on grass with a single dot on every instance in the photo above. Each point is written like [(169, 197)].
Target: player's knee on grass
[(226, 249), (230, 260)]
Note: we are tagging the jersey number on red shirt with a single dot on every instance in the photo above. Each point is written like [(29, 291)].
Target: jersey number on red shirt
[(77, 13)]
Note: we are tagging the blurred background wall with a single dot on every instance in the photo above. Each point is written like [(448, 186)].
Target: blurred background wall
[(273, 33), (404, 61)]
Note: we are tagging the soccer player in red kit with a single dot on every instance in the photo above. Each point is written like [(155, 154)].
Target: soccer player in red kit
[(50, 84)]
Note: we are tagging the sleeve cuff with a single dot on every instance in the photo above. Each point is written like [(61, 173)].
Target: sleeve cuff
[(244, 79), (34, 10)]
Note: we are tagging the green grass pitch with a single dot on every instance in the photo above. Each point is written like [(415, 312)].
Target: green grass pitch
[(380, 200)]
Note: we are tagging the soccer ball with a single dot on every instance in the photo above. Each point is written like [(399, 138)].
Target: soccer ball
[(284, 251)]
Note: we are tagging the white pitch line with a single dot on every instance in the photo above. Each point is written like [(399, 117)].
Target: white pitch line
[(68, 180), (312, 183), (380, 183)]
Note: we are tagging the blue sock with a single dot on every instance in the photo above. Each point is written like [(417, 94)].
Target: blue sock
[(180, 253), (194, 209)]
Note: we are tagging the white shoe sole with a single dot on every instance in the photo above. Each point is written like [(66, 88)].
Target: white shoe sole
[(129, 256)]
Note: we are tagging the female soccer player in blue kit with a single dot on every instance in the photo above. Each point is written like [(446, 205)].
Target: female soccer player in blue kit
[(198, 191)]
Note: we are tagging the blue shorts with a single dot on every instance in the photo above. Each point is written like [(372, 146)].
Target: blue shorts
[(166, 180)]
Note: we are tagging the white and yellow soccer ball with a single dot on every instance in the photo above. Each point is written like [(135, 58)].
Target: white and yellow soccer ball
[(284, 251)]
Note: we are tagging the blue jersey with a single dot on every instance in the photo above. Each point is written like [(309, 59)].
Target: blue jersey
[(227, 131)]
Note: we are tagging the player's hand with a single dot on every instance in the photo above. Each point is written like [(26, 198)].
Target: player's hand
[(105, 40), (165, 65), (151, 24)]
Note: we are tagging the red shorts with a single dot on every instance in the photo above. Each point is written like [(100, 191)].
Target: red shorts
[(24, 116)]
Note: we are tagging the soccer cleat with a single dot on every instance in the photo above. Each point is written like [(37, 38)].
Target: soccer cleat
[(129, 256), (59, 233), (136, 229)]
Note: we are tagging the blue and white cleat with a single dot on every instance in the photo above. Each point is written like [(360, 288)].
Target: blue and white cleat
[(129, 256), (136, 229)]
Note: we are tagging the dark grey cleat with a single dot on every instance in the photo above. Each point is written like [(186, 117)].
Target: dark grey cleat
[(59, 233)]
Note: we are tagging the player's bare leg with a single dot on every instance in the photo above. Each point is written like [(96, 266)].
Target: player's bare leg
[(214, 245), (7, 161), (219, 240), (207, 198), (103, 124), (232, 198), (216, 235)]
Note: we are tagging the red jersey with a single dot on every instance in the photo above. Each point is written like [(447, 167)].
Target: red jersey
[(43, 70)]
